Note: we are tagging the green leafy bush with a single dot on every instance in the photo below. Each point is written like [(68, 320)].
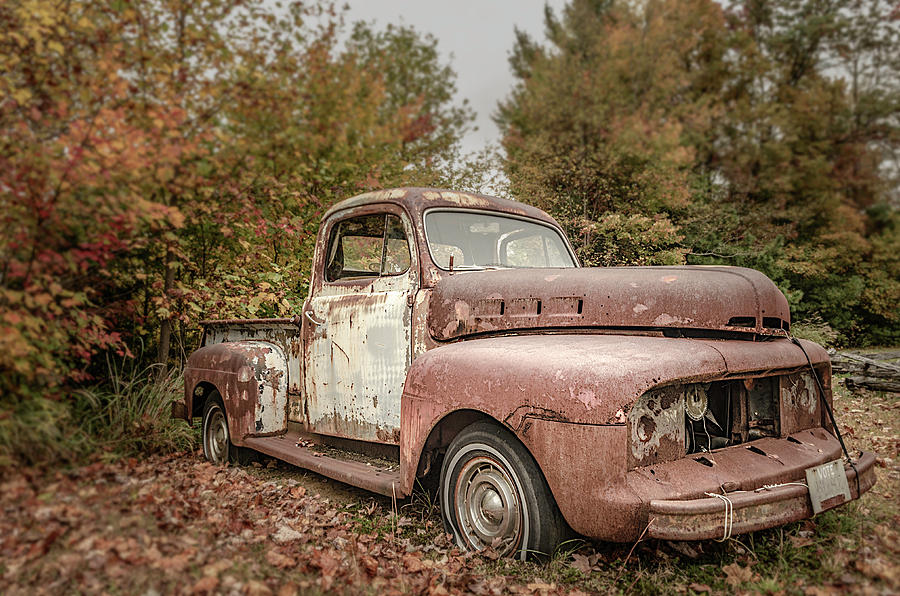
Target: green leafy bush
[(128, 415)]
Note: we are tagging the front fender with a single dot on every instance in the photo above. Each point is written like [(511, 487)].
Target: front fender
[(252, 379), (578, 379)]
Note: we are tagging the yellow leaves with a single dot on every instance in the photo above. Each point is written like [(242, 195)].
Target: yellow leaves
[(21, 95), (176, 217), (18, 38), (42, 299), (55, 46), (165, 174)]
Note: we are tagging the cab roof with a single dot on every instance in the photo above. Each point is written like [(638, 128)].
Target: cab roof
[(416, 200)]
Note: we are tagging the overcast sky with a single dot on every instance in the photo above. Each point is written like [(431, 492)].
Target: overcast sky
[(477, 33)]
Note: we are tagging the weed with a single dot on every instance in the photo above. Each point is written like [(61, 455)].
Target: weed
[(132, 413), (41, 430), (816, 329), (127, 415)]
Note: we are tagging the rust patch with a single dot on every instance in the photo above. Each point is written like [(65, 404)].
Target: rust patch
[(799, 402), (705, 298), (656, 427)]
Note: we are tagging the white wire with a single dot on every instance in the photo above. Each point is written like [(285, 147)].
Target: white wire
[(729, 506), (771, 486), (729, 515)]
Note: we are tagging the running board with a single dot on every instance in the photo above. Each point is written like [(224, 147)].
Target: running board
[(288, 447)]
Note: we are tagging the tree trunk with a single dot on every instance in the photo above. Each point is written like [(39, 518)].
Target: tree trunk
[(165, 327)]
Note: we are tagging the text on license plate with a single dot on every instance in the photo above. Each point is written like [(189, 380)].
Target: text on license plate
[(827, 485)]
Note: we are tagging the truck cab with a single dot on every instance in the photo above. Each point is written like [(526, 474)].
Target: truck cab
[(455, 337)]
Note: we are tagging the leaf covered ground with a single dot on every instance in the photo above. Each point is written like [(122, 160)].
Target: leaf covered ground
[(176, 524)]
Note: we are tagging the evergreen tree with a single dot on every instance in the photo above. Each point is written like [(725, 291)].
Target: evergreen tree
[(763, 135)]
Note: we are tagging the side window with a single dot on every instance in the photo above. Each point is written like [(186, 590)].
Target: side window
[(367, 246), (396, 248)]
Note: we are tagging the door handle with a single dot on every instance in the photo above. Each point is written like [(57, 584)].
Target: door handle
[(312, 319)]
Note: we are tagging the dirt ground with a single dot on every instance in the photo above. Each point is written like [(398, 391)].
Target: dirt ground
[(176, 524)]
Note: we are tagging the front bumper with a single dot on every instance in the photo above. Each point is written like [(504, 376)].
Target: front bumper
[(706, 518)]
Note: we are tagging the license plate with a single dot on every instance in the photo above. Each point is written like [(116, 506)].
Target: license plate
[(827, 485)]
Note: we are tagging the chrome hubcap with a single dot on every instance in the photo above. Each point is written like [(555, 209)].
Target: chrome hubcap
[(216, 436), (488, 507)]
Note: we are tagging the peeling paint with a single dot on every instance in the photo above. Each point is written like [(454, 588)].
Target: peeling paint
[(357, 360), (252, 379), (799, 402), (584, 365), (656, 427)]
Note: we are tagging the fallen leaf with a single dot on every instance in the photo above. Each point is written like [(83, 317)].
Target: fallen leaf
[(736, 575), (684, 548), (800, 541), (277, 559), (177, 563), (216, 569), (256, 588), (285, 533), (822, 591), (205, 585), (369, 564), (581, 563), (413, 563)]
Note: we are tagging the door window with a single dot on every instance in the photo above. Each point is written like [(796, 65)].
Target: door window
[(367, 246)]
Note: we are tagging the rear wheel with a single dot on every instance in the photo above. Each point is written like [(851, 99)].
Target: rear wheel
[(217, 445), (494, 495)]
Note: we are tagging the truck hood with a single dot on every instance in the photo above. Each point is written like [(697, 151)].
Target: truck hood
[(717, 299)]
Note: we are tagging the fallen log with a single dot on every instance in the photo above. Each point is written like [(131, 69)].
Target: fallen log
[(870, 371), (882, 356), (873, 383)]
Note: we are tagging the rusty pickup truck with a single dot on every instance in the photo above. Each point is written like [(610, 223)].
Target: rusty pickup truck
[(453, 338)]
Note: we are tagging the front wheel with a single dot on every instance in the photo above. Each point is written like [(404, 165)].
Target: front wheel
[(494, 495)]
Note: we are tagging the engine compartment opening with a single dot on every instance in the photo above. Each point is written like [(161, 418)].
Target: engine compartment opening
[(730, 413), (671, 422)]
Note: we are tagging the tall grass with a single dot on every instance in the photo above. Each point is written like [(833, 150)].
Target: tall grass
[(129, 413), (40, 430)]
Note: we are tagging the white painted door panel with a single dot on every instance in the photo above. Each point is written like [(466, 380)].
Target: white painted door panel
[(359, 358)]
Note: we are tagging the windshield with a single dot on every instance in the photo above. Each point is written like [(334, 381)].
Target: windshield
[(467, 240)]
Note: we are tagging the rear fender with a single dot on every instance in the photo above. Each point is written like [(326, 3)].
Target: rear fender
[(252, 379)]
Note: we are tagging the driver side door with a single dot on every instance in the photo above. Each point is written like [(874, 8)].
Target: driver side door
[(358, 346)]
